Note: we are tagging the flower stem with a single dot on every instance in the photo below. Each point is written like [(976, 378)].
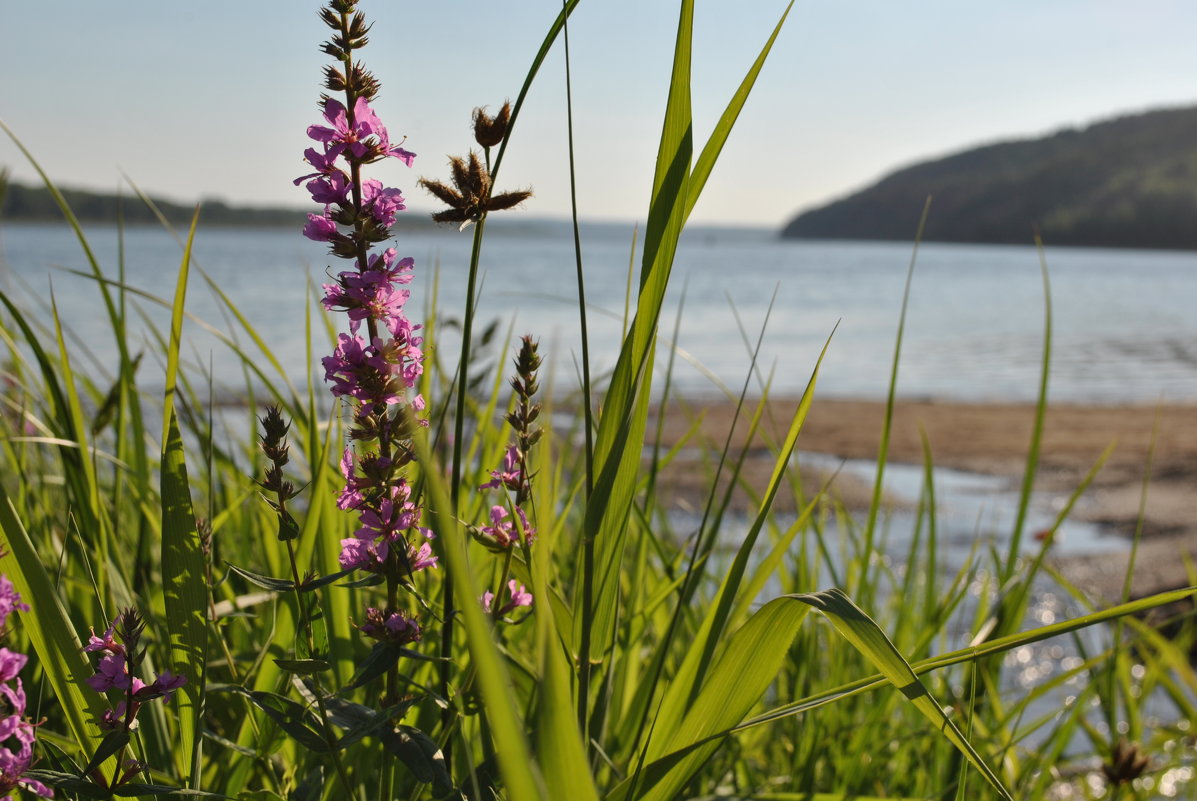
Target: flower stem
[(467, 330)]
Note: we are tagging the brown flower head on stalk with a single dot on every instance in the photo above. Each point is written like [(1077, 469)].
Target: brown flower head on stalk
[(470, 197), (489, 131)]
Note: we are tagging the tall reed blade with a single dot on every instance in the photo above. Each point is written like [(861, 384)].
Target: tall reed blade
[(183, 562)]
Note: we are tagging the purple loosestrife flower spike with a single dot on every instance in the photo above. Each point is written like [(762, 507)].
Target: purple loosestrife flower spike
[(377, 364), (116, 670), (17, 734)]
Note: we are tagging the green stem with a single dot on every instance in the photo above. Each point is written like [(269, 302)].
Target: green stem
[(467, 329), (588, 545), (326, 727)]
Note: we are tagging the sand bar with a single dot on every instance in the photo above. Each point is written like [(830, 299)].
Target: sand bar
[(993, 438)]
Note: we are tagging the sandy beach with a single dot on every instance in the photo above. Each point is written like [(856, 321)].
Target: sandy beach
[(993, 439)]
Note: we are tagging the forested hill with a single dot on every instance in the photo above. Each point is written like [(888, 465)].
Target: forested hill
[(35, 204), (1126, 182)]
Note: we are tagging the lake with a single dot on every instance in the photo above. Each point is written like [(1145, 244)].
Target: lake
[(1124, 322)]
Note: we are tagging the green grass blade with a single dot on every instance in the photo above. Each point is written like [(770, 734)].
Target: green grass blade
[(749, 663), (561, 751), (860, 630), (515, 759), (883, 450), (183, 564), (622, 426), (50, 632), (1028, 478), (691, 675)]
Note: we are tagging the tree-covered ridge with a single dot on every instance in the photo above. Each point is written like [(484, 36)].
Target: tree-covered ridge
[(35, 204), (1126, 182)]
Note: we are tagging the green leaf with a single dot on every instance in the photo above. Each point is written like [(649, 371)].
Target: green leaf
[(371, 580), (361, 721), (68, 781), (494, 682), (420, 754), (112, 743), (314, 646), (265, 582), (288, 529), (714, 146), (138, 790), (747, 665), (303, 666), (184, 573), (860, 630), (560, 747), (380, 659), (324, 581), (292, 717)]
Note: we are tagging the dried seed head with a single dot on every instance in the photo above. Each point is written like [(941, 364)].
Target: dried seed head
[(1126, 763), (470, 196), (489, 131), (334, 81)]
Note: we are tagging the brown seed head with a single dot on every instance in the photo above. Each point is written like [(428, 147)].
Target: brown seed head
[(1125, 764), (489, 131)]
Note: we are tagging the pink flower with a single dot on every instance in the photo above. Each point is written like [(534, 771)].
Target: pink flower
[(395, 514), (106, 643), (351, 497), (519, 596), (164, 686), (320, 228), (112, 672), (333, 188), (10, 600), (509, 475), (359, 554), (323, 162), (397, 628), (381, 202), (341, 132), (421, 558), (11, 664), (503, 529), (399, 272)]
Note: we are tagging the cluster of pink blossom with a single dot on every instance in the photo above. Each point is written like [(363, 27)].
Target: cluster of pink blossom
[(396, 628), (113, 672), (17, 734), (376, 368), (508, 530), (504, 531)]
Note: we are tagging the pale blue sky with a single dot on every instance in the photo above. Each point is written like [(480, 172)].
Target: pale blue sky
[(212, 98)]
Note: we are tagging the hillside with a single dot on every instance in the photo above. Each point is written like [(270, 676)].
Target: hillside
[(1125, 182), (20, 203)]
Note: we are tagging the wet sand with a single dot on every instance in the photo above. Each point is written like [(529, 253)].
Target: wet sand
[(993, 439)]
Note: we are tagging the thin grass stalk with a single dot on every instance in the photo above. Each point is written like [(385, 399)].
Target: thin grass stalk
[(887, 425), (1028, 480), (587, 414), (447, 590)]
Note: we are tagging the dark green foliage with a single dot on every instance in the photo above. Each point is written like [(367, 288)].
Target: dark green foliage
[(35, 204), (1126, 182)]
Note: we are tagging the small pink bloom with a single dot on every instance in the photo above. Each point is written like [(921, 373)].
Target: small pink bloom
[(509, 475), (320, 228)]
